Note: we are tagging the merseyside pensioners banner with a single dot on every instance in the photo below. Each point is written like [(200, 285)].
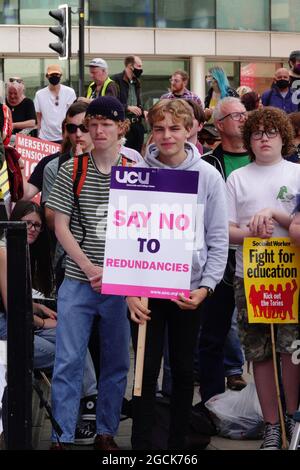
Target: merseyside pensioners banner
[(272, 281), (151, 229), (32, 150)]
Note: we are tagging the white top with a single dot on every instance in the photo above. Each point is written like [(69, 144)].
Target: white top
[(52, 114), (256, 187)]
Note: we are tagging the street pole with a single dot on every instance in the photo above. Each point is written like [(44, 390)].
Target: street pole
[(81, 49)]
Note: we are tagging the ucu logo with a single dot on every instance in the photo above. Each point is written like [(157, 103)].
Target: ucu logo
[(132, 177)]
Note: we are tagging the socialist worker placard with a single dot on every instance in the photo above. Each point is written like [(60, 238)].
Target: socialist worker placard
[(272, 281)]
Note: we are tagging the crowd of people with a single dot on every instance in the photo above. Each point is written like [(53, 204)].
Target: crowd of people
[(245, 148)]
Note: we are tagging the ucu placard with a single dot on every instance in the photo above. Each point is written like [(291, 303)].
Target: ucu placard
[(154, 179), (132, 177)]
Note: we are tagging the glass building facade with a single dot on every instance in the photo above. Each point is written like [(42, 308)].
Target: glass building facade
[(254, 15), (201, 15)]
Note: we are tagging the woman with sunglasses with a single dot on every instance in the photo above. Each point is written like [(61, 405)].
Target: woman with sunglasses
[(22, 108)]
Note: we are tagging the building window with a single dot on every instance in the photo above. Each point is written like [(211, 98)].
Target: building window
[(187, 14), (243, 15), (137, 13), (257, 75), (37, 11), (9, 11), (285, 15)]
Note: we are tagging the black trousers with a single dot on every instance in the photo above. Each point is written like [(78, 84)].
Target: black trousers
[(135, 136), (183, 327), (216, 316)]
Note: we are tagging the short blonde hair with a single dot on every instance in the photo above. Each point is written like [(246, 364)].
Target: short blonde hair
[(124, 126), (181, 112)]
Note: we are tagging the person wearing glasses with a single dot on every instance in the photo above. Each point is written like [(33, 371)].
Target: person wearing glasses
[(81, 139), (178, 88), (218, 312), (45, 319), (261, 198), (51, 104), (22, 108)]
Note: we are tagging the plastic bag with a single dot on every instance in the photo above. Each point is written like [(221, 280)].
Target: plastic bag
[(237, 415)]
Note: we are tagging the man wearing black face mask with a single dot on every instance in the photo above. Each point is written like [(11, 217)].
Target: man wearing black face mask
[(130, 96), (51, 104), (281, 94)]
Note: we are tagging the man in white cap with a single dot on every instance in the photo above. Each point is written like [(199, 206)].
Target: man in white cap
[(102, 84), (51, 104)]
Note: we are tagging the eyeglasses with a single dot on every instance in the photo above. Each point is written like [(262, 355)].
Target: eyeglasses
[(208, 140), (56, 102), (72, 128), (36, 225), (234, 116), (13, 79), (175, 80), (270, 133)]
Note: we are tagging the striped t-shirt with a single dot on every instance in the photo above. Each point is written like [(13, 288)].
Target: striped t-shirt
[(93, 201)]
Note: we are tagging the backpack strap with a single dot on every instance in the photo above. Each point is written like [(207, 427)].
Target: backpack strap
[(125, 161), (79, 174)]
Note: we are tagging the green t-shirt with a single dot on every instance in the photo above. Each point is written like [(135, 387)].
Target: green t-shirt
[(233, 161)]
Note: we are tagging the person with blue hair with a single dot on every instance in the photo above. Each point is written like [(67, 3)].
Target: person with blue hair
[(219, 88)]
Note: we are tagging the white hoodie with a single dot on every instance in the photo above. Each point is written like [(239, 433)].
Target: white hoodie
[(209, 262)]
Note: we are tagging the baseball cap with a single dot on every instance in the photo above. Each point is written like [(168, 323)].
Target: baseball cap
[(54, 68), (294, 55), (107, 107), (98, 62)]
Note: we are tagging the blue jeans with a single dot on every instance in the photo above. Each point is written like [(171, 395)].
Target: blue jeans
[(233, 354), (44, 355), (43, 346), (78, 304)]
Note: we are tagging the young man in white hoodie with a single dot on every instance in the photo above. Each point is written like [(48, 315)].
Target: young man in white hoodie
[(171, 121)]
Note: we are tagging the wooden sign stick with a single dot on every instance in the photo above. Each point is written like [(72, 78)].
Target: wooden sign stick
[(140, 353)]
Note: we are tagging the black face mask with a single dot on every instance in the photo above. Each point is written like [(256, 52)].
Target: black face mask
[(296, 69), (282, 84), (54, 79), (137, 72)]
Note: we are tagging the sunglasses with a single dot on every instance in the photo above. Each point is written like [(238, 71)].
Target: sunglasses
[(72, 128), (18, 80)]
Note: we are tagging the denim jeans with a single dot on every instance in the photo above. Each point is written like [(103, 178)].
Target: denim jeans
[(43, 346), (78, 304), (233, 354), (44, 355)]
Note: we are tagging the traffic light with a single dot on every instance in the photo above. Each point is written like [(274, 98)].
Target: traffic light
[(62, 31)]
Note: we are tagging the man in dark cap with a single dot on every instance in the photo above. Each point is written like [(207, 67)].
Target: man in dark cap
[(81, 232)]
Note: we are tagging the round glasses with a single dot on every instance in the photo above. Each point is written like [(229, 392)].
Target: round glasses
[(271, 134), (35, 225)]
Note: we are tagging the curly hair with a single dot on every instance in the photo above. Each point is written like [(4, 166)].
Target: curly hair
[(269, 118), (180, 110)]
